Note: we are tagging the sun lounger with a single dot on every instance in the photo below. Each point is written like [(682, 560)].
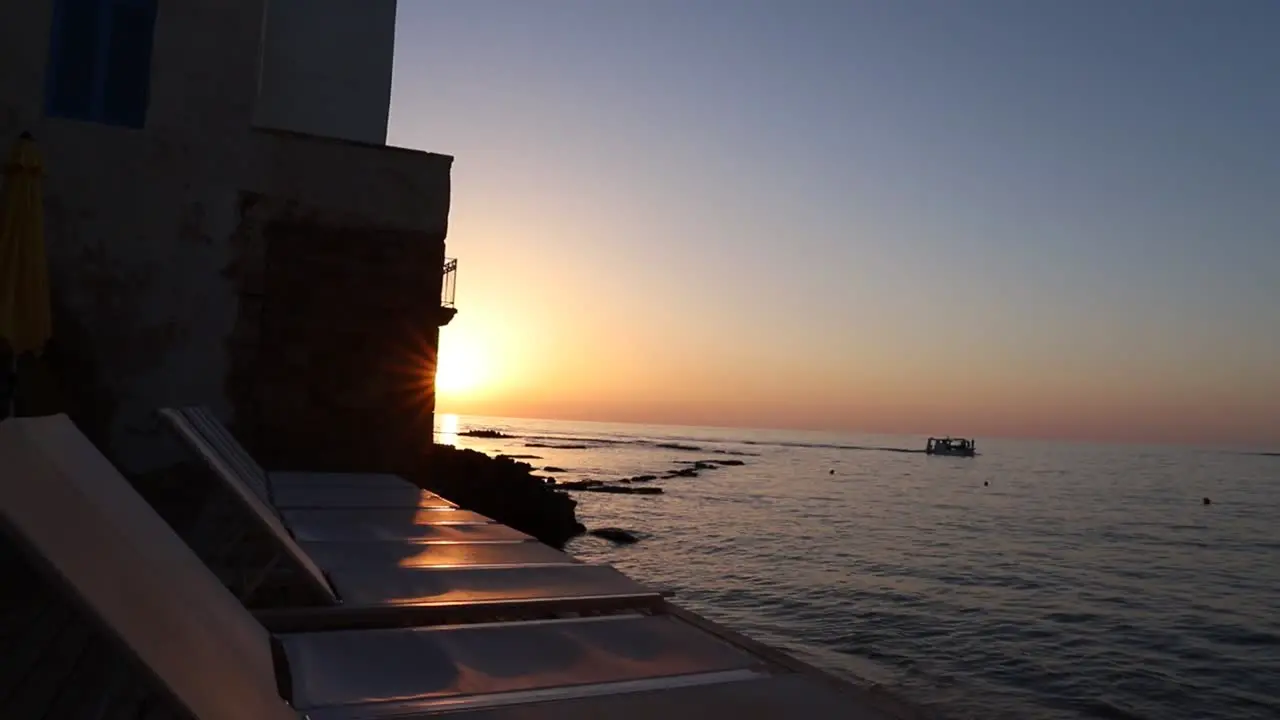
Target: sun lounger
[(438, 555), (325, 506), (209, 440), (324, 519), (380, 517), (160, 627), (391, 583), (426, 526)]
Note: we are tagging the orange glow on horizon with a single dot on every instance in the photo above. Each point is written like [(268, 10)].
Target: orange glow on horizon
[(560, 339), (607, 378)]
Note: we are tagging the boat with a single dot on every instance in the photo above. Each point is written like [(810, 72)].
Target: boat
[(955, 447)]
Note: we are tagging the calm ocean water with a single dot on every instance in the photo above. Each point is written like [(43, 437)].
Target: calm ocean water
[(1080, 582)]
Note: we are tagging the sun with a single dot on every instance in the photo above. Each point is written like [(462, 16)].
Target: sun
[(460, 369)]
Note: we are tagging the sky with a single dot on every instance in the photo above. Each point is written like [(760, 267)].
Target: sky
[(977, 217)]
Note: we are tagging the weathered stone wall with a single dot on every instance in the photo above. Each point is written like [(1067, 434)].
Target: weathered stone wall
[(334, 347), (144, 226), (137, 220)]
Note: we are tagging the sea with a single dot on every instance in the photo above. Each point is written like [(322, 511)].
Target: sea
[(1036, 580)]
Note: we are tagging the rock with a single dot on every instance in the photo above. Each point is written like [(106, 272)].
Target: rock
[(1207, 501), (508, 460), (711, 464), (553, 469), (617, 535), (501, 488), (601, 487), (484, 433)]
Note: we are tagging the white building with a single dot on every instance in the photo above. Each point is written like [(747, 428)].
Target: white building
[(225, 224), (326, 67)]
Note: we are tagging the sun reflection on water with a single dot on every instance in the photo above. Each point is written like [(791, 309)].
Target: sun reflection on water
[(446, 429)]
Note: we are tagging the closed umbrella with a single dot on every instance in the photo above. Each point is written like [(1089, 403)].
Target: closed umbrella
[(25, 314)]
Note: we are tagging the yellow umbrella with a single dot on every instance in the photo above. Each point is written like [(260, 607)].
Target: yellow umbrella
[(25, 315)]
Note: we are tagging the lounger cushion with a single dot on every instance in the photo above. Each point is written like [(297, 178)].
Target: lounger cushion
[(371, 585), (396, 524), (438, 555), (443, 664)]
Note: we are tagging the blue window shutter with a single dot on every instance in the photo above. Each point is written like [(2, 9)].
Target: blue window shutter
[(126, 87), (73, 51)]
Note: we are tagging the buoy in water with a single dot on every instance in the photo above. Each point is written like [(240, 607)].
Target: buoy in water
[(1207, 501), (985, 483)]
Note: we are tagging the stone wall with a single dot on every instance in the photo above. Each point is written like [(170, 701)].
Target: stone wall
[(334, 347)]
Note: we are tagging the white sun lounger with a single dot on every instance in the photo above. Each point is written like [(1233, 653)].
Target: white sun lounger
[(368, 553), (209, 440), (425, 526), (313, 504), (76, 525), (381, 583)]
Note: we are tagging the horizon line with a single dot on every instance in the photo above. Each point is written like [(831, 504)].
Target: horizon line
[(1269, 449)]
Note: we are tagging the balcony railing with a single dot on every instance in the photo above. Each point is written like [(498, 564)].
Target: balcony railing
[(450, 283)]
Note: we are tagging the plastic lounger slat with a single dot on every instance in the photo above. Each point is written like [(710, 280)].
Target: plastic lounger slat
[(264, 526), (220, 439), (337, 669), (193, 428)]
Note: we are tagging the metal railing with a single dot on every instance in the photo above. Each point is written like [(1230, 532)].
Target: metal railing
[(450, 283)]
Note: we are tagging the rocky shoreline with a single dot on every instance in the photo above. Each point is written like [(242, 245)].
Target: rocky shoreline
[(501, 488), (627, 485), (512, 491)]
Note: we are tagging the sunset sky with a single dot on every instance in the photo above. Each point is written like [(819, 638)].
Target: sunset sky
[(979, 217)]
